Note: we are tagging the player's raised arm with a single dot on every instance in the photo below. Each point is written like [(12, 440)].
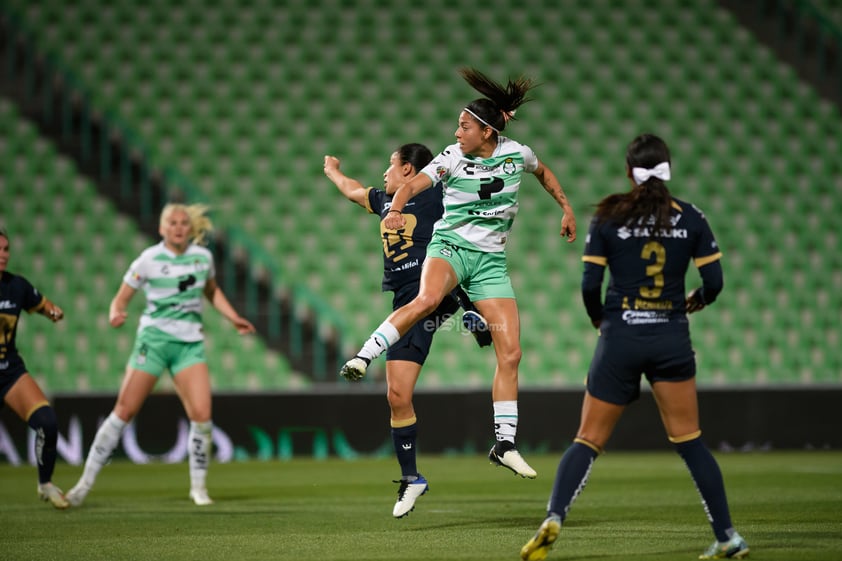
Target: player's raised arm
[(352, 189)]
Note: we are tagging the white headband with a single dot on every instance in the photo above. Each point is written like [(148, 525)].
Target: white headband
[(661, 171), (481, 120)]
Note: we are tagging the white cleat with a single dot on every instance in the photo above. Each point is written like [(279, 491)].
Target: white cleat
[(52, 494), (76, 496), (512, 460), (200, 497), (354, 369), (408, 492)]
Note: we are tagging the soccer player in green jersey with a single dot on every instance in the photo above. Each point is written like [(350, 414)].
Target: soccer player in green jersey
[(175, 275), (481, 174)]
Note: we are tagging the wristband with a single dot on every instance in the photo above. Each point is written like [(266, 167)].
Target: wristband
[(392, 210)]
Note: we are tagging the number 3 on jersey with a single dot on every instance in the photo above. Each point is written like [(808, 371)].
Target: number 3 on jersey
[(654, 270)]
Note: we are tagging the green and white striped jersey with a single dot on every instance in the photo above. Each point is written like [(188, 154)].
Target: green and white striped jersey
[(174, 286), (480, 194)]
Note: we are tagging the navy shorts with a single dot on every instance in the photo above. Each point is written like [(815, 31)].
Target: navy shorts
[(10, 374), (621, 358), (415, 345)]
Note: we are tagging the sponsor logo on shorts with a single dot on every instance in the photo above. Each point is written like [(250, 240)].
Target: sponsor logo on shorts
[(641, 317)]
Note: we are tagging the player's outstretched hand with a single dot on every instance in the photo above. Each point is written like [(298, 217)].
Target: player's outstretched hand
[(54, 313), (568, 227), (117, 317), (243, 325)]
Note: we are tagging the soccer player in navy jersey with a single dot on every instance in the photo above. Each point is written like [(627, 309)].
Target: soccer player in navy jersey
[(647, 239), (18, 389), (403, 255)]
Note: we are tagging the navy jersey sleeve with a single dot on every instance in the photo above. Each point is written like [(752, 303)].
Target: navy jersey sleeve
[(706, 257), (376, 200), (706, 250), (594, 270), (595, 250), (31, 299)]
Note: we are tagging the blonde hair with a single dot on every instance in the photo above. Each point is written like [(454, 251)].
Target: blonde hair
[(200, 224)]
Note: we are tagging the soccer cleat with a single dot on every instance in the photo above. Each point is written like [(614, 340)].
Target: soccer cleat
[(50, 493), (200, 497), (408, 492), (354, 369), (735, 548), (76, 496), (537, 548), (510, 458), (478, 327)]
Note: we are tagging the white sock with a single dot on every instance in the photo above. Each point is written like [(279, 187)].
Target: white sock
[(105, 441), (383, 337), (199, 450), (505, 420)]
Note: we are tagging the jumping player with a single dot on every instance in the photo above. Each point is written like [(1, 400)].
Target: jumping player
[(646, 239), (403, 256), (17, 388), (481, 174)]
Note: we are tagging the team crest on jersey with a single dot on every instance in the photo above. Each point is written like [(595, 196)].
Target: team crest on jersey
[(509, 166), (441, 171)]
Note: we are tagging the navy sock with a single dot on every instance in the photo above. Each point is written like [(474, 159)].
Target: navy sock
[(43, 422), (708, 478), (404, 441), (571, 477)]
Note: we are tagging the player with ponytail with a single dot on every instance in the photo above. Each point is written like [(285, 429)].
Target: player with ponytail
[(646, 239), (481, 174)]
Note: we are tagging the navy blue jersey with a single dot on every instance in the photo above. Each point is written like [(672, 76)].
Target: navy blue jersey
[(404, 250), (16, 295), (646, 286)]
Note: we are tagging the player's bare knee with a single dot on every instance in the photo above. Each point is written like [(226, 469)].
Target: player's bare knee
[(425, 304), (398, 400), (509, 359)]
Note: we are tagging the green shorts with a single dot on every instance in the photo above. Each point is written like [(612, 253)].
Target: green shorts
[(155, 351), (483, 275)]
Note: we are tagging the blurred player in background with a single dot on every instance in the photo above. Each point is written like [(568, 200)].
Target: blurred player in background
[(403, 255), (175, 274), (646, 239), (481, 174), (17, 388)]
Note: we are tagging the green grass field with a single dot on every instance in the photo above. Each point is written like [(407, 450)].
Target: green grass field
[(637, 506)]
